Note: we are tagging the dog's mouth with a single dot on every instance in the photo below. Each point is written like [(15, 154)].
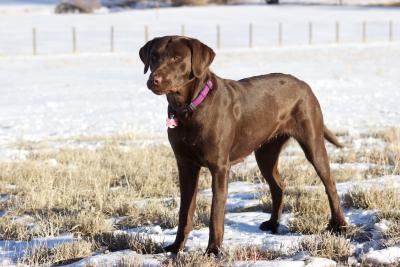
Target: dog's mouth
[(158, 90)]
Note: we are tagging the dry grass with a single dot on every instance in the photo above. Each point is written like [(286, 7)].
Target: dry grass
[(358, 233), (189, 2), (107, 178), (66, 253), (87, 224), (131, 261), (310, 208), (89, 179), (139, 242), (392, 151), (69, 252), (385, 199), (193, 259), (160, 213), (78, 190), (392, 235), (252, 175), (202, 213), (297, 171), (328, 246), (241, 253), (255, 253), (38, 255), (13, 229), (165, 214)]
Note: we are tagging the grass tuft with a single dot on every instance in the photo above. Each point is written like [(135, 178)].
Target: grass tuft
[(327, 245), (392, 235), (385, 199), (141, 243), (310, 208), (66, 253), (13, 229), (193, 259), (256, 253)]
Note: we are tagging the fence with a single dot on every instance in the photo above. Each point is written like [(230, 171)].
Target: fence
[(217, 36)]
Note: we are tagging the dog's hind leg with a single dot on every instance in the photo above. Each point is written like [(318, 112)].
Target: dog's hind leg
[(267, 160), (312, 143)]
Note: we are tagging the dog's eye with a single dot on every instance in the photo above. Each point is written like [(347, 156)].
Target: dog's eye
[(176, 58)]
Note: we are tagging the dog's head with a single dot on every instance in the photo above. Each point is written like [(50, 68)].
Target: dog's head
[(174, 61)]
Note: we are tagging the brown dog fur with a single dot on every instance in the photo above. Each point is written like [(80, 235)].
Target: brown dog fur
[(257, 114)]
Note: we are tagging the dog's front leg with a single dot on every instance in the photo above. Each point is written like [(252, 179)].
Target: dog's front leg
[(188, 181), (219, 189)]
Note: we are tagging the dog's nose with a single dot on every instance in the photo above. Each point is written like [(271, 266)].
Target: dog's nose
[(156, 79)]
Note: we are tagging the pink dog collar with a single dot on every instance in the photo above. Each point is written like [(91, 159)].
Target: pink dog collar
[(172, 121)]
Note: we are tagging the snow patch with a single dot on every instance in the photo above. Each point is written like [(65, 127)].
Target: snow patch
[(383, 257)]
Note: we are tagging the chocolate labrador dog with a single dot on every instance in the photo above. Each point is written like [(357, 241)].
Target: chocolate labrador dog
[(215, 123)]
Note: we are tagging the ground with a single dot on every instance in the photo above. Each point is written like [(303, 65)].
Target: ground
[(87, 176)]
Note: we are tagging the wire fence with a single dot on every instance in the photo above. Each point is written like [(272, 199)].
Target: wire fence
[(74, 40)]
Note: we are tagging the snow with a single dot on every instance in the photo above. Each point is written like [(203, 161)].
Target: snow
[(360, 217), (93, 31), (278, 263), (383, 257), (104, 94), (91, 93), (241, 228), (10, 250), (114, 258), (316, 262), (380, 182)]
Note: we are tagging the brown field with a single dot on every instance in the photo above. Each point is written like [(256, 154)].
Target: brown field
[(77, 190)]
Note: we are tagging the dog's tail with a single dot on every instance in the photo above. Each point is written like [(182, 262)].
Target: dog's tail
[(331, 137)]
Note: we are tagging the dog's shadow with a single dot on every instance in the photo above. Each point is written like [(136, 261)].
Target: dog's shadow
[(253, 228)]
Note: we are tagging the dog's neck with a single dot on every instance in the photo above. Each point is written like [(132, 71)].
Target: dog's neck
[(188, 93)]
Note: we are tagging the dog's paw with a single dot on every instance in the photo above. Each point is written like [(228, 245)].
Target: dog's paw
[(338, 226), (173, 248), (269, 226), (213, 250)]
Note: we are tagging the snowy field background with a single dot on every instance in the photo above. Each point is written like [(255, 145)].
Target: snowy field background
[(59, 95), (50, 96)]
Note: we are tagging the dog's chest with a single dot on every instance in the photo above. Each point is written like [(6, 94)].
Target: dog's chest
[(191, 142), (192, 137)]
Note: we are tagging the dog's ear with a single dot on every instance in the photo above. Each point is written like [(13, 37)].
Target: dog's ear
[(144, 54), (202, 56)]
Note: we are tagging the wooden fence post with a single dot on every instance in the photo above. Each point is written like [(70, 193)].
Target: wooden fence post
[(250, 35), (146, 33), (73, 40), (34, 41), (364, 31), (337, 32), (183, 29), (310, 33), (280, 40), (157, 10), (218, 37), (112, 39)]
